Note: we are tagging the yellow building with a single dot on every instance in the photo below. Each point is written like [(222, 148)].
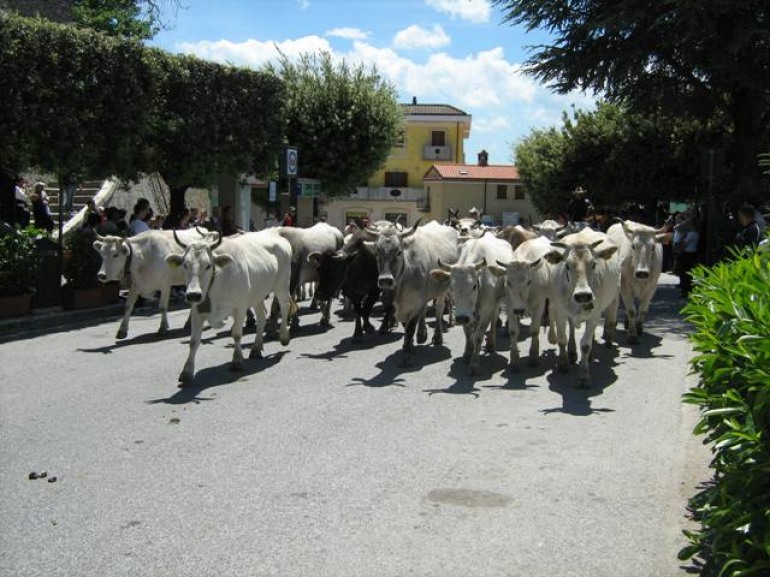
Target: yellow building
[(425, 174)]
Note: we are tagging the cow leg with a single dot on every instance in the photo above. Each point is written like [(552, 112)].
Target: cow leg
[(610, 321), (551, 324), (133, 295), (438, 333), (196, 328), (644, 307), (359, 331), (260, 321), (366, 311), (408, 346), (468, 352), (562, 362), (627, 295), (586, 342), (572, 345), (422, 328), (513, 337), (450, 305), (285, 304), (165, 292), (537, 308), (325, 313), (478, 338), (239, 317)]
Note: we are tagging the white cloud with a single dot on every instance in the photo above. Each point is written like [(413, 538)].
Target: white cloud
[(477, 11), (253, 52), (418, 37), (349, 33), (303, 4), (491, 125)]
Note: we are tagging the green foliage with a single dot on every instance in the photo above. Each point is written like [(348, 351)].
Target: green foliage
[(343, 120), (82, 261), (18, 260), (76, 101), (730, 310), (704, 60), (123, 18), (619, 155)]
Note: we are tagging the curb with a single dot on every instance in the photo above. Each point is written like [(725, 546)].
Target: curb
[(55, 318)]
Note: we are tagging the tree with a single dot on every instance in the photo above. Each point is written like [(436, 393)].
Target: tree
[(621, 156), (343, 120), (123, 18), (706, 60)]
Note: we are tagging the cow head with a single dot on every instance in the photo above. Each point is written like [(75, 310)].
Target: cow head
[(644, 252), (332, 271), (550, 229), (464, 279), (578, 266), (200, 265), (518, 279), (389, 246), (115, 252)]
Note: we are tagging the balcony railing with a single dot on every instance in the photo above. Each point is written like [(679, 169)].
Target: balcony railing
[(430, 152), (390, 194)]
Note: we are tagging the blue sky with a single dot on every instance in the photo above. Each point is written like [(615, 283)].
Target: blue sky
[(454, 52)]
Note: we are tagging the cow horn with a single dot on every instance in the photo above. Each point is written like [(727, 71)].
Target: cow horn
[(480, 265), (200, 231), (100, 237), (411, 231), (179, 242), (444, 267), (217, 243)]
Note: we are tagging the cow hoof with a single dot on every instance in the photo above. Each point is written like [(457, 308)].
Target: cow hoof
[(422, 337), (368, 329), (473, 371), (122, 334), (255, 355), (437, 341), (513, 368), (162, 332), (236, 366), (325, 323), (573, 357), (285, 338), (185, 378)]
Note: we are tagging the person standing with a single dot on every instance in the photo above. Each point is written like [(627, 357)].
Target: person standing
[(750, 233), (40, 209), (579, 208), (686, 237), (137, 225), (22, 202), (290, 217), (71, 187)]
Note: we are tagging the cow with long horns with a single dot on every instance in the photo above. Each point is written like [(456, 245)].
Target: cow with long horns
[(404, 261), (227, 277), (142, 258)]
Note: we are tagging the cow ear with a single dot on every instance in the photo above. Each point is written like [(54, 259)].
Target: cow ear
[(535, 262), (98, 245), (607, 251), (124, 248), (174, 260), (554, 256), (314, 257), (440, 275), (222, 260)]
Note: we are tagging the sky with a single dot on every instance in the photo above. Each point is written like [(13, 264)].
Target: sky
[(456, 52)]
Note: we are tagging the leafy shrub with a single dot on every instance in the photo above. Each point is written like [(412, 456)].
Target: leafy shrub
[(82, 262), (730, 309), (18, 260)]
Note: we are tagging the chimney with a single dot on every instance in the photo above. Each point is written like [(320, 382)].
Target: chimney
[(483, 158), (414, 100)]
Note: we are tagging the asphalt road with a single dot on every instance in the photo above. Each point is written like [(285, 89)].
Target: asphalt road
[(327, 459)]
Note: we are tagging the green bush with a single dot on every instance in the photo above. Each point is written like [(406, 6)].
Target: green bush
[(18, 260), (730, 309), (82, 261)]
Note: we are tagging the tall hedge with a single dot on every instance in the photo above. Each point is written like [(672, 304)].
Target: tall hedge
[(730, 310), (76, 100)]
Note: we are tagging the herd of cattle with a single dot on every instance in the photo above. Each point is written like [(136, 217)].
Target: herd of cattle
[(574, 278)]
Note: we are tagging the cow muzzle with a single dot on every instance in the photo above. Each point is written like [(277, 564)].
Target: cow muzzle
[(386, 282), (462, 319), (583, 297), (193, 297), (101, 277), (518, 312), (642, 274)]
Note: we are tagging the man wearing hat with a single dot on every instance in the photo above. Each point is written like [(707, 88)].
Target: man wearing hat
[(579, 207)]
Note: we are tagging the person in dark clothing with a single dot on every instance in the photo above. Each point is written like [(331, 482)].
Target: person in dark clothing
[(579, 207), (40, 209), (749, 235)]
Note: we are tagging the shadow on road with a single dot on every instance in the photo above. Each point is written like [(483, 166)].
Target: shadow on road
[(211, 377), (141, 339), (348, 345), (391, 366), (577, 401)]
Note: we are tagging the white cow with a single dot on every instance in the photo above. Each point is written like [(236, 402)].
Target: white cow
[(586, 281), (551, 229), (229, 276), (321, 238), (404, 261), (528, 285), (641, 255), (143, 258), (477, 292)]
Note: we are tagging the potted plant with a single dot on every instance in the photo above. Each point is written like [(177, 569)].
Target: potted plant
[(18, 269), (81, 264)]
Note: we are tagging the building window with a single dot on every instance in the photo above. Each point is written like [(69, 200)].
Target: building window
[(399, 217), (438, 138), (502, 192), (518, 192), (396, 179)]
